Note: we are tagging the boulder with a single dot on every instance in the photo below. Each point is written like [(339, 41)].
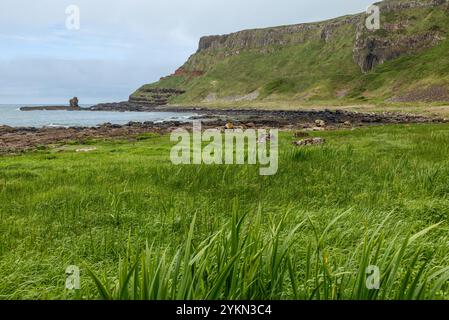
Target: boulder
[(301, 134), (320, 123), (309, 142)]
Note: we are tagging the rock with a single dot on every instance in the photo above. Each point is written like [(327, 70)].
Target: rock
[(309, 142), (301, 134), (235, 43), (74, 103), (348, 124), (6, 129), (320, 123), (154, 96), (134, 124), (390, 42)]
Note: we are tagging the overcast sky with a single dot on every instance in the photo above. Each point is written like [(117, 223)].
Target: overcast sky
[(122, 44)]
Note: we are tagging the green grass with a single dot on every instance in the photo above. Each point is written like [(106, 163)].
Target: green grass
[(142, 228)]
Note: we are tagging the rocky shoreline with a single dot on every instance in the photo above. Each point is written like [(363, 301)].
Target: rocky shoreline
[(279, 118), (15, 140), (339, 116)]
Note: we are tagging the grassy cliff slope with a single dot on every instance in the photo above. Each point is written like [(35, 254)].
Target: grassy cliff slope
[(337, 61)]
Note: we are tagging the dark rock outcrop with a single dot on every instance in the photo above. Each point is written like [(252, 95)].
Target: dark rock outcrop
[(283, 36), (74, 103), (376, 47), (373, 50), (155, 96), (122, 107)]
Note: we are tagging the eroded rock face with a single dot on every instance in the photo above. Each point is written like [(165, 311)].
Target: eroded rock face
[(155, 96), (282, 36), (372, 50), (376, 47)]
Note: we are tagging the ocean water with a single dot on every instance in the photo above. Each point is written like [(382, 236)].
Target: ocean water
[(10, 115)]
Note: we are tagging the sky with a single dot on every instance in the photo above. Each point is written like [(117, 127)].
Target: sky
[(123, 44)]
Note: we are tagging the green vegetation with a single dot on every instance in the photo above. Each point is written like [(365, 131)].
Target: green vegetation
[(318, 72), (142, 228), (294, 69), (406, 74)]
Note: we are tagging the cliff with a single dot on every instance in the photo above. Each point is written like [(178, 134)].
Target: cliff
[(334, 60)]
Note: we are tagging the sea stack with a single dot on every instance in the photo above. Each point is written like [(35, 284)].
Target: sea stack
[(74, 103)]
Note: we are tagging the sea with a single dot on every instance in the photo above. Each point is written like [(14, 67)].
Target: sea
[(11, 115)]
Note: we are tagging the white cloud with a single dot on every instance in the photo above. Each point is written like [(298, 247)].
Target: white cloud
[(125, 43)]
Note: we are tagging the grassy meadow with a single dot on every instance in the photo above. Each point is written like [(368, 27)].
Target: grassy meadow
[(142, 228)]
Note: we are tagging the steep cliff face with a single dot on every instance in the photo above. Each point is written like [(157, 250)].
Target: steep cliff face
[(398, 35), (323, 61), (373, 50), (370, 48), (268, 40), (277, 36)]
